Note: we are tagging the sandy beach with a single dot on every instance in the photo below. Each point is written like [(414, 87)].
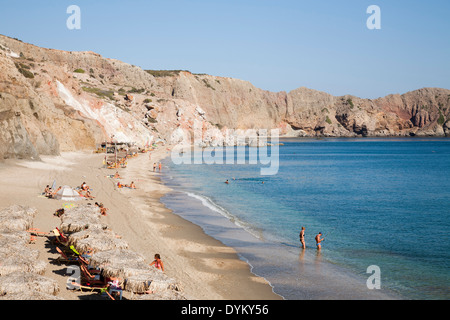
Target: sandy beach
[(205, 268)]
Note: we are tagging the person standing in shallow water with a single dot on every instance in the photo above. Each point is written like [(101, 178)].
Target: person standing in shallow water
[(302, 238), (319, 241)]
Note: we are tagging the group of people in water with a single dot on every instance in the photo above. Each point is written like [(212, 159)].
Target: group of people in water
[(157, 165), (318, 238)]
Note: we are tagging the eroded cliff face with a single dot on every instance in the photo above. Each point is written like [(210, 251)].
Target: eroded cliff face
[(53, 101)]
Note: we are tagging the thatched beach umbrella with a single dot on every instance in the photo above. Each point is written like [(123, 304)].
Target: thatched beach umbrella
[(100, 242), (86, 208), (14, 262), (124, 270), (87, 233), (17, 237), (74, 221), (16, 257), (165, 295), (116, 256), (153, 280), (27, 282), (10, 248), (120, 263), (23, 210), (16, 218), (34, 295)]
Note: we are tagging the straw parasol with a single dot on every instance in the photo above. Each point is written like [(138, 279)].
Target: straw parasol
[(152, 279), (16, 262), (16, 218), (116, 256), (100, 242), (125, 269), (17, 237), (24, 210), (78, 219), (166, 295), (16, 257), (34, 295), (27, 282), (120, 263), (90, 233), (9, 248)]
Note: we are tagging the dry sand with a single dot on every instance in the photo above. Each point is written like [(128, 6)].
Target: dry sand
[(206, 268)]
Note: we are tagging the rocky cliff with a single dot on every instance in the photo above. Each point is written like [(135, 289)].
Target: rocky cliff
[(53, 101)]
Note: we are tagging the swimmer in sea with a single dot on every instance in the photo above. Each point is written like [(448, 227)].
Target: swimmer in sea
[(227, 182)]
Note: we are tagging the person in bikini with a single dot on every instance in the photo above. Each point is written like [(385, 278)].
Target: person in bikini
[(157, 262), (302, 237), (48, 191)]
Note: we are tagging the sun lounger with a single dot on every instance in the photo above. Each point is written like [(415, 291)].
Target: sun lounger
[(59, 238), (64, 258), (90, 288), (37, 232), (92, 279)]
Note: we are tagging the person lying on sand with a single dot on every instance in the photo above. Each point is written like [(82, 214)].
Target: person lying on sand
[(89, 195), (117, 175), (132, 185), (84, 186), (102, 208), (47, 191)]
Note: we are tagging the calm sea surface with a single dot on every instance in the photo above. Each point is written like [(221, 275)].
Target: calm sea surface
[(378, 202)]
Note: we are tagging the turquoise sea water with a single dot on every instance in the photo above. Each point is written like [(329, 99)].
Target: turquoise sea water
[(382, 202)]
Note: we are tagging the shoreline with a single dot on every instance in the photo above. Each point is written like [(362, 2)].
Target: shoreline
[(320, 279), (205, 267)]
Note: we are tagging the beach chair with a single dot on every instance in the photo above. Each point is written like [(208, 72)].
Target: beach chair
[(90, 279), (59, 238), (91, 288), (36, 232), (109, 295), (64, 258), (83, 261)]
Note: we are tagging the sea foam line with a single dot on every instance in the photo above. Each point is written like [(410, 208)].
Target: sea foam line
[(210, 204)]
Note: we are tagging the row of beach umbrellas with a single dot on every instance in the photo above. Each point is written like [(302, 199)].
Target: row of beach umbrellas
[(21, 271), (111, 254)]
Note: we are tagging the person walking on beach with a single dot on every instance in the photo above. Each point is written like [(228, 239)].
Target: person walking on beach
[(319, 240), (157, 262), (154, 167), (160, 167), (302, 237)]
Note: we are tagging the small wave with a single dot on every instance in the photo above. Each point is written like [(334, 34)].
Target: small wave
[(207, 202)]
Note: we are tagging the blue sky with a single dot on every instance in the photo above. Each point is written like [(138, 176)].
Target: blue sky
[(278, 45)]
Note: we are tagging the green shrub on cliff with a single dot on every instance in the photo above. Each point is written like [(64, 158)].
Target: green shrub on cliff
[(99, 92), (350, 102), (441, 119), (79, 71), (24, 70)]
